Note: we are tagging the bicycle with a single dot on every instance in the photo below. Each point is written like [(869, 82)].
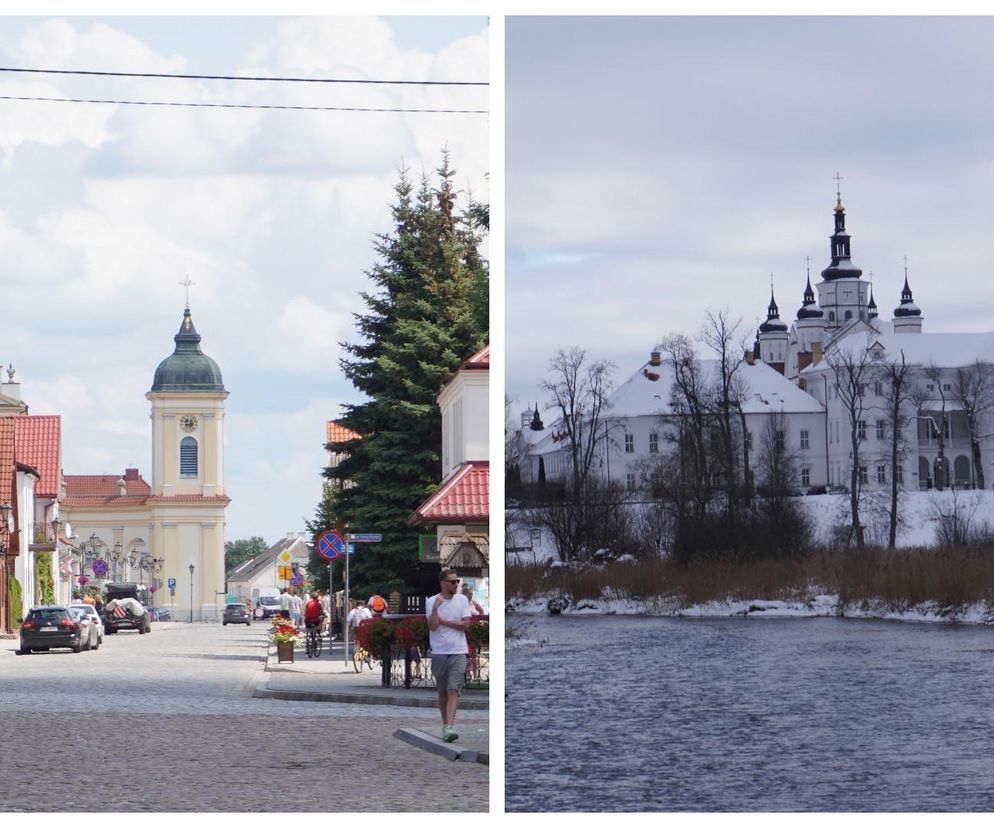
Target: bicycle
[(313, 643), (361, 657)]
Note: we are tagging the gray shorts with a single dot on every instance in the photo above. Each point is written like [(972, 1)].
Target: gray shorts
[(449, 672)]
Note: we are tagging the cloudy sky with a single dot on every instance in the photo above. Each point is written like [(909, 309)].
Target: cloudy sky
[(105, 209), (658, 168)]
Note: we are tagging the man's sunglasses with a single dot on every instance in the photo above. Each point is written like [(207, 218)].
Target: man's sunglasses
[(452, 580)]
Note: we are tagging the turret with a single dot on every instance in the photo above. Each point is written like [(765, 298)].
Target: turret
[(907, 315), (773, 337)]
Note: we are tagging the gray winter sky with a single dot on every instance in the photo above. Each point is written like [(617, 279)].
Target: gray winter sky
[(104, 209), (660, 167)]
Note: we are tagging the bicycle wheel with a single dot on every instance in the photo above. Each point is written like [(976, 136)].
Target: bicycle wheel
[(317, 645), (358, 658)]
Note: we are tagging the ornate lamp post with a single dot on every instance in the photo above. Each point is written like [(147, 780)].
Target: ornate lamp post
[(191, 593), (115, 557)]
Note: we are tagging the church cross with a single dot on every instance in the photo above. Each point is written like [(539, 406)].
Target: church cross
[(187, 284), (838, 178)]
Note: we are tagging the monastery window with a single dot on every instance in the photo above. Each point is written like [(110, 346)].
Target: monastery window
[(848, 315), (749, 440), (946, 386), (881, 474), (188, 457), (878, 388), (946, 430), (861, 429), (804, 439), (900, 475), (805, 477), (630, 482), (831, 316), (881, 429), (863, 476), (629, 444), (653, 443), (779, 440)]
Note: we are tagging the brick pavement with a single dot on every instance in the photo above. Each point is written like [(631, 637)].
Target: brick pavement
[(171, 725)]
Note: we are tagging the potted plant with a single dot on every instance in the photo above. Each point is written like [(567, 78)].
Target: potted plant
[(285, 635)]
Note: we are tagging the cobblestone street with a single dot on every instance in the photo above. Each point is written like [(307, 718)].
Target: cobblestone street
[(168, 724)]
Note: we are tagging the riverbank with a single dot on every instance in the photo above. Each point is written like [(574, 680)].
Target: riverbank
[(819, 605)]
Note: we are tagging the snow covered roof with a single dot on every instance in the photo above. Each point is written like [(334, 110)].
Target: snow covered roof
[(649, 390), (948, 350)]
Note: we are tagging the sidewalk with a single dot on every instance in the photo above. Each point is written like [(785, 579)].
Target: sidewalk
[(329, 678)]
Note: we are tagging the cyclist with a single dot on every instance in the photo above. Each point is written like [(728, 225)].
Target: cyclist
[(313, 614)]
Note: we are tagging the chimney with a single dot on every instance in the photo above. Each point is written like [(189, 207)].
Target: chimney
[(131, 474), (749, 356), (816, 353), (655, 358)]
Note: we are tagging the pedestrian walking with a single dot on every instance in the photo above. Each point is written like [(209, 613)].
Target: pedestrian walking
[(326, 608), (285, 603), (296, 607), (448, 620)]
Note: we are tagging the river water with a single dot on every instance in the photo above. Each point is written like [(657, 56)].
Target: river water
[(661, 714)]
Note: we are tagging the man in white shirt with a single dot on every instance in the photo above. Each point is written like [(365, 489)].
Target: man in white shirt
[(448, 620), (285, 604)]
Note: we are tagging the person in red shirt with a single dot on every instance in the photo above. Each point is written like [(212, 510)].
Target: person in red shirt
[(313, 612)]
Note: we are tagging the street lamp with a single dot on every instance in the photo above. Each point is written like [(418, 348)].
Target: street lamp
[(191, 593), (5, 526)]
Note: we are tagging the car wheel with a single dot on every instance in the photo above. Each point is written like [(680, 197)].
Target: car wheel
[(24, 651), (224, 623), (77, 648)]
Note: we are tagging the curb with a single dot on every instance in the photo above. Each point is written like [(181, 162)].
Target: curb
[(422, 740)]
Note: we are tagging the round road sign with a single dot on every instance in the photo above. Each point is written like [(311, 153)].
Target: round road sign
[(330, 545), (100, 567)]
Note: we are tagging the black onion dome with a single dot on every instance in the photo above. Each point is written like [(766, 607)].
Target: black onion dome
[(841, 266), (907, 306), (189, 368), (810, 309), (773, 321)]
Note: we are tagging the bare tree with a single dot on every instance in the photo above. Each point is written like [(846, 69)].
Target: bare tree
[(722, 335), (933, 373), (974, 391), (852, 369), (898, 395)]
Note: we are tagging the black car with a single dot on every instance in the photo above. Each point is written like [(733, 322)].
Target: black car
[(236, 614), (52, 626)]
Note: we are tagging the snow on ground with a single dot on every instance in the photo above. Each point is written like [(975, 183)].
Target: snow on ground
[(919, 518)]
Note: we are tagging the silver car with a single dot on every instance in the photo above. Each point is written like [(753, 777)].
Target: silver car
[(95, 618), (89, 637)]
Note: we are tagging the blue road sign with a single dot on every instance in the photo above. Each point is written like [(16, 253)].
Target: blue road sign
[(100, 567), (330, 545), (366, 537), (172, 583)]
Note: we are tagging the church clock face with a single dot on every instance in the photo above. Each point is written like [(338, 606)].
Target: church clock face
[(188, 422)]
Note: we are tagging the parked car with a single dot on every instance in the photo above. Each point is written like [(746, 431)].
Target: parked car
[(89, 635), (159, 614), (267, 606), (94, 616), (236, 614), (46, 627)]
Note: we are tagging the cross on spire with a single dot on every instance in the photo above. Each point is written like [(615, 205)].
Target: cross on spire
[(838, 189), (186, 283)]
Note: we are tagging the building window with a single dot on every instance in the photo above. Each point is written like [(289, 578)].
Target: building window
[(863, 477), (900, 475), (779, 441), (629, 444), (804, 439), (881, 474), (946, 429), (630, 482), (749, 440), (878, 388), (848, 315), (861, 429), (653, 443), (188, 457), (805, 477), (946, 386), (881, 429)]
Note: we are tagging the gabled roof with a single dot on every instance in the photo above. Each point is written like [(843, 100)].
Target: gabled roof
[(480, 361), (247, 570), (464, 497), (7, 472), (38, 444), (337, 433)]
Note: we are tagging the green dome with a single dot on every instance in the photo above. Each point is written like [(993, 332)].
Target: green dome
[(188, 369)]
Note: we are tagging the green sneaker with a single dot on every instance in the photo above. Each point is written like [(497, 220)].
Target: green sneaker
[(449, 734)]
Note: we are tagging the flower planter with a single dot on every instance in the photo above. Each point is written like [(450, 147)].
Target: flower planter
[(284, 651)]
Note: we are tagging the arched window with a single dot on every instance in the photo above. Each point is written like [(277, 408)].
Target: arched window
[(188, 457)]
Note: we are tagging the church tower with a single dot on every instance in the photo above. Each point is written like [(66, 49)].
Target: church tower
[(842, 294), (773, 337), (188, 499), (809, 329), (907, 316)]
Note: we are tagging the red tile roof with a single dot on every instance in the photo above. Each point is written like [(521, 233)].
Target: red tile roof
[(38, 444), (85, 490), (480, 361), (464, 497), (193, 498), (338, 433)]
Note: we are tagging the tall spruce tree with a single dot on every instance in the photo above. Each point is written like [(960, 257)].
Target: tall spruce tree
[(429, 314)]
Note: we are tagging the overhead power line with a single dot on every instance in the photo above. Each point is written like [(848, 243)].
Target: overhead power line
[(244, 106), (240, 77)]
